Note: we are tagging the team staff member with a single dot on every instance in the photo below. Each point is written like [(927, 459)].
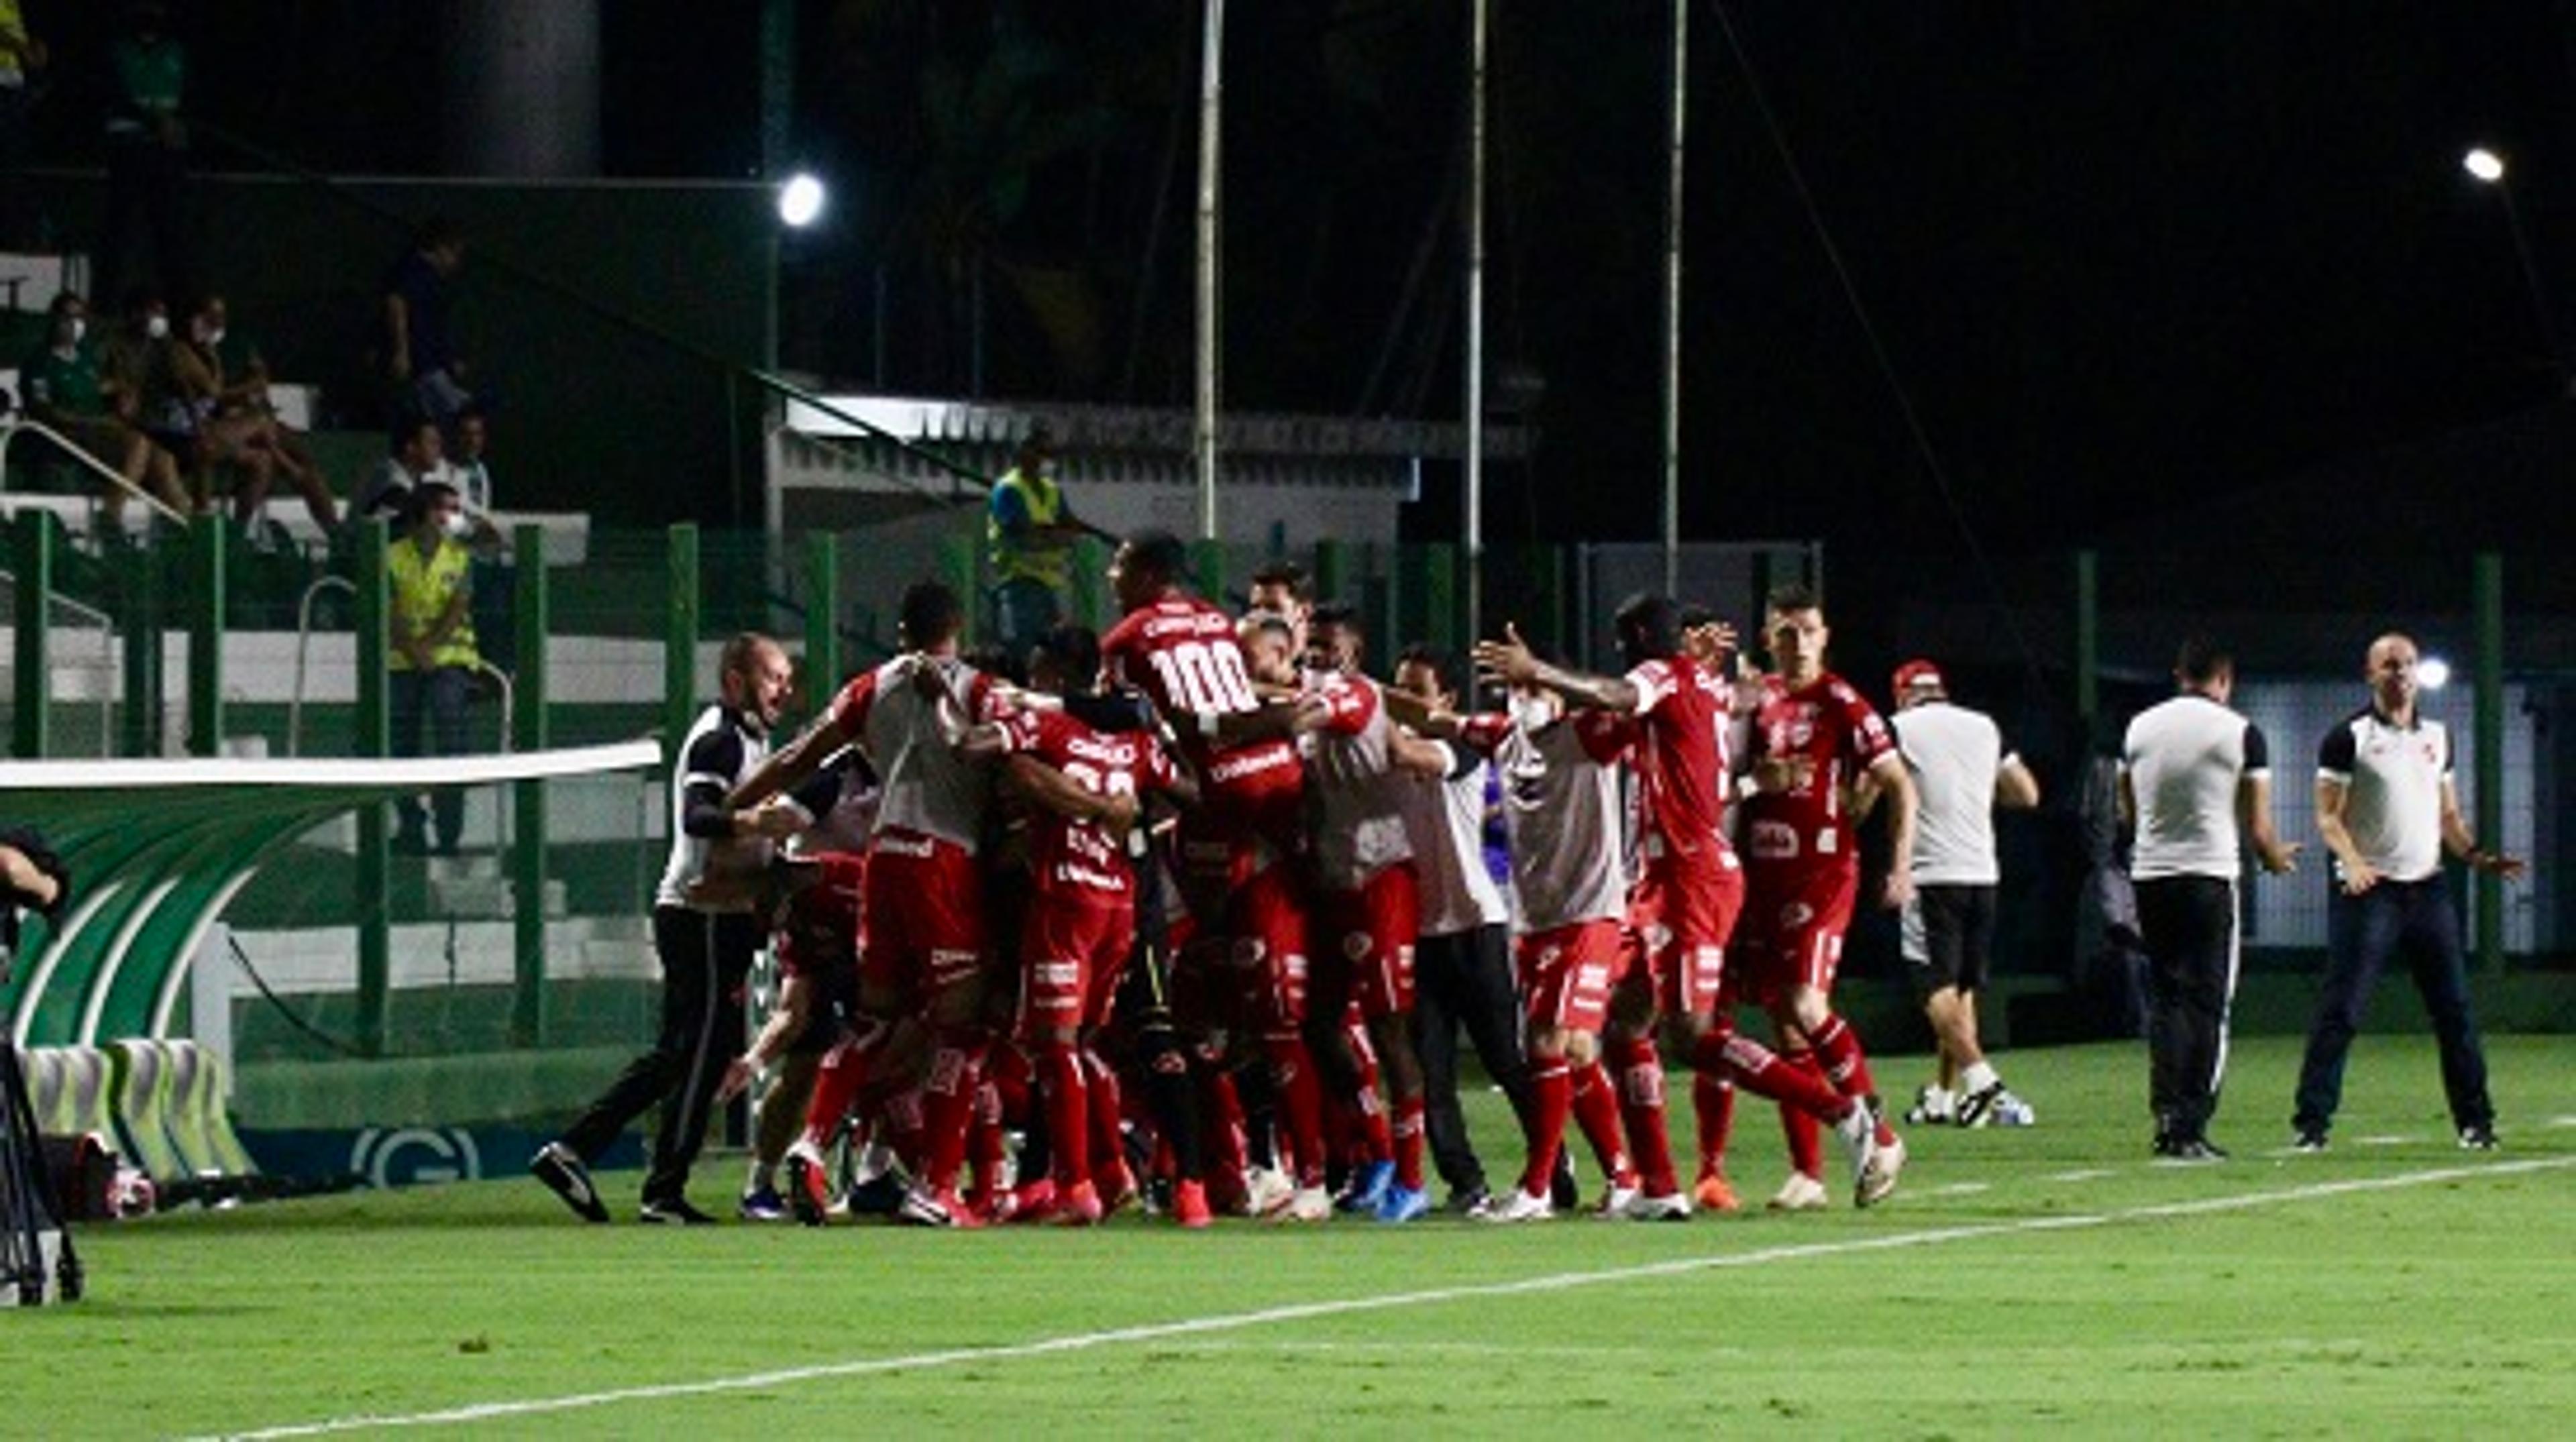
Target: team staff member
[(2195, 776), (1961, 772), (705, 947), (2387, 810), (1029, 531)]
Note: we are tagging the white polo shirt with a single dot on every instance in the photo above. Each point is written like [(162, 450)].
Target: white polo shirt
[(2185, 759), (1955, 755), (2392, 778)]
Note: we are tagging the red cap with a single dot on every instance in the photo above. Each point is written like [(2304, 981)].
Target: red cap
[(1918, 674)]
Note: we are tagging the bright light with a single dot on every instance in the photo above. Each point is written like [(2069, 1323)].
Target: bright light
[(2433, 673), (800, 200), (2485, 164)]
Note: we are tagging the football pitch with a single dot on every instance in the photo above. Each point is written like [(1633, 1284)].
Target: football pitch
[(2042, 1279)]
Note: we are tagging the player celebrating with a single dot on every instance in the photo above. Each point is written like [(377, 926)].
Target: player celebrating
[(1815, 739), (1681, 906)]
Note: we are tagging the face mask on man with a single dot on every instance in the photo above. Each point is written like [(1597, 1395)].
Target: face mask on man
[(157, 327), (457, 526), (72, 329)]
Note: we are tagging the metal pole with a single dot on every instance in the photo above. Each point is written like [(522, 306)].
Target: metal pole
[(1211, 114), (680, 642), (374, 739), (1673, 301), (2489, 726), (206, 538), (2531, 283), (30, 727), (1474, 587)]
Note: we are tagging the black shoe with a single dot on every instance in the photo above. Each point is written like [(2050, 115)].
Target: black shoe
[(1562, 1193), (2309, 1139), (565, 1176), (1466, 1201), (2190, 1149), (2478, 1138), (673, 1212)]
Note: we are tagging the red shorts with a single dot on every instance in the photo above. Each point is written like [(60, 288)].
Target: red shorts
[(1266, 948), (1678, 925), (1566, 973), (1794, 920), (921, 919), (1368, 957), (1072, 951)]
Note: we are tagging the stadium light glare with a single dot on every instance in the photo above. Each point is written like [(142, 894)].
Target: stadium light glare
[(2433, 673), (2484, 164), (800, 200)]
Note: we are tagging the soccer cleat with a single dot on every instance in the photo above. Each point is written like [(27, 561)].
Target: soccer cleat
[(1670, 1207), (1031, 1201), (1878, 1174), (1715, 1194), (925, 1207), (2189, 1149), (1077, 1206), (1306, 1204), (565, 1176), (2012, 1111), (672, 1212), (1518, 1206), (1932, 1107), (1368, 1188), (1403, 1204), (1616, 1198), (1467, 1201), (1801, 1193), (762, 1204), (879, 1196), (1977, 1107), (2478, 1138), (1858, 1132), (1117, 1187), (809, 1187), (1562, 1192), (2309, 1139), (1190, 1205), (1266, 1191)]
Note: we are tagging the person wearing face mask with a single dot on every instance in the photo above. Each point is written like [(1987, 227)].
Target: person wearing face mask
[(1029, 530), (66, 390), (431, 627), (227, 378)]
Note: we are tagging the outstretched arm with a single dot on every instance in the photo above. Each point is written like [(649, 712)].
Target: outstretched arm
[(1511, 662)]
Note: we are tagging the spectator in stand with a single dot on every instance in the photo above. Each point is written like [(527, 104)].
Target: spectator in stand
[(430, 619), (224, 370), (1030, 530), (66, 390), (147, 155), (176, 409), (20, 54), (495, 585), (413, 455), (427, 376)]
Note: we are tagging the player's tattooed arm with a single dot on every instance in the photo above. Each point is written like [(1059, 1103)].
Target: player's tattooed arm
[(1511, 662)]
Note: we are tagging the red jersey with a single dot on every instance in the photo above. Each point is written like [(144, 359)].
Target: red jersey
[(821, 931), (1827, 722), (1677, 747), (906, 715), (1180, 651), (1073, 858)]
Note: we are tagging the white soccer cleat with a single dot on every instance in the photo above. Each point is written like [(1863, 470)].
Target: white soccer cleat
[(1516, 1206), (2012, 1111), (1670, 1207), (1878, 1174), (1801, 1193), (1615, 1202), (1934, 1106), (1992, 1106), (1306, 1204), (1266, 1190)]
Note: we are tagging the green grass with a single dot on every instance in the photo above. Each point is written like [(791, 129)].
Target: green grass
[(2434, 1308)]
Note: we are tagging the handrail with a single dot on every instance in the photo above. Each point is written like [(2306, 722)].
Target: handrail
[(9, 432), (303, 644)]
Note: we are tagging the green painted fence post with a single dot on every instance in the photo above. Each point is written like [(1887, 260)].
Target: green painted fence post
[(529, 731), (680, 642), (2490, 747), (206, 556), (374, 739), (1332, 569), (1091, 583), (141, 589), (1207, 567), (31, 726)]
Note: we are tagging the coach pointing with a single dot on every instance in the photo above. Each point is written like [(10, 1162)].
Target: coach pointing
[(2194, 776)]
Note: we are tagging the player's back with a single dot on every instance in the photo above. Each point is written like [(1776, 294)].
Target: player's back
[(1359, 816), (1181, 652), (910, 714), (1561, 808), (1680, 761)]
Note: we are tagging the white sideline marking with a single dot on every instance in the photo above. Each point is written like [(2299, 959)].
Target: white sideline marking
[(2562, 1121), (1958, 1189), (2388, 1140), (2084, 1174), (1306, 1311)]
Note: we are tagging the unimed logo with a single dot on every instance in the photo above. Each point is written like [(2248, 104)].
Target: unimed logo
[(403, 1156)]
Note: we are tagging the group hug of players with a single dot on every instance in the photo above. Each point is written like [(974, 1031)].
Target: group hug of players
[(1167, 888)]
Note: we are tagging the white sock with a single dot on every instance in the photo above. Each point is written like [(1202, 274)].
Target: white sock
[(1978, 1076)]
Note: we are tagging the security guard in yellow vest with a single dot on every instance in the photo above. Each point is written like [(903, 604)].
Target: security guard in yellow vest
[(1029, 531), (430, 625)]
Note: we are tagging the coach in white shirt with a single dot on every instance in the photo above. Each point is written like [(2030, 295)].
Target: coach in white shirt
[(2194, 777), (2387, 810)]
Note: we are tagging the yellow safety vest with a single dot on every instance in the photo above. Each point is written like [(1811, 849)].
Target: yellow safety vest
[(1044, 561), (422, 588)]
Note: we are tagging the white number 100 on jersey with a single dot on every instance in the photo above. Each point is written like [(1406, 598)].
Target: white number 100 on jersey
[(1205, 679)]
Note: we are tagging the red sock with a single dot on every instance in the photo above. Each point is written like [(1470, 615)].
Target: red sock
[(1838, 1048), (1105, 1109), (1407, 1136), (1373, 1140), (1713, 1106), (1641, 1109), (1778, 1076), (1220, 1117), (1596, 1111), (1068, 1104), (1010, 1074), (947, 1107), (1551, 1102), (1300, 1101), (1798, 1123), (837, 1084), (987, 1145)]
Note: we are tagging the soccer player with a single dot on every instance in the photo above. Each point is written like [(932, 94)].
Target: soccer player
[(1370, 907), (1281, 588), (923, 950), (1961, 772), (1081, 917), (1240, 847), (1814, 739), (1666, 712)]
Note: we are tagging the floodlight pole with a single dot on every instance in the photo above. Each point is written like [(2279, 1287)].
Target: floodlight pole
[(2531, 281), (1475, 470), (1210, 331), (1672, 518)]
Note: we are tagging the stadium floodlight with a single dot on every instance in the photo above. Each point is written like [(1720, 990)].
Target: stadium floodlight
[(2484, 164), (800, 200), (2433, 673)]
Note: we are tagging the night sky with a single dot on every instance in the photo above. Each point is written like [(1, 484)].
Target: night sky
[(2122, 258)]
